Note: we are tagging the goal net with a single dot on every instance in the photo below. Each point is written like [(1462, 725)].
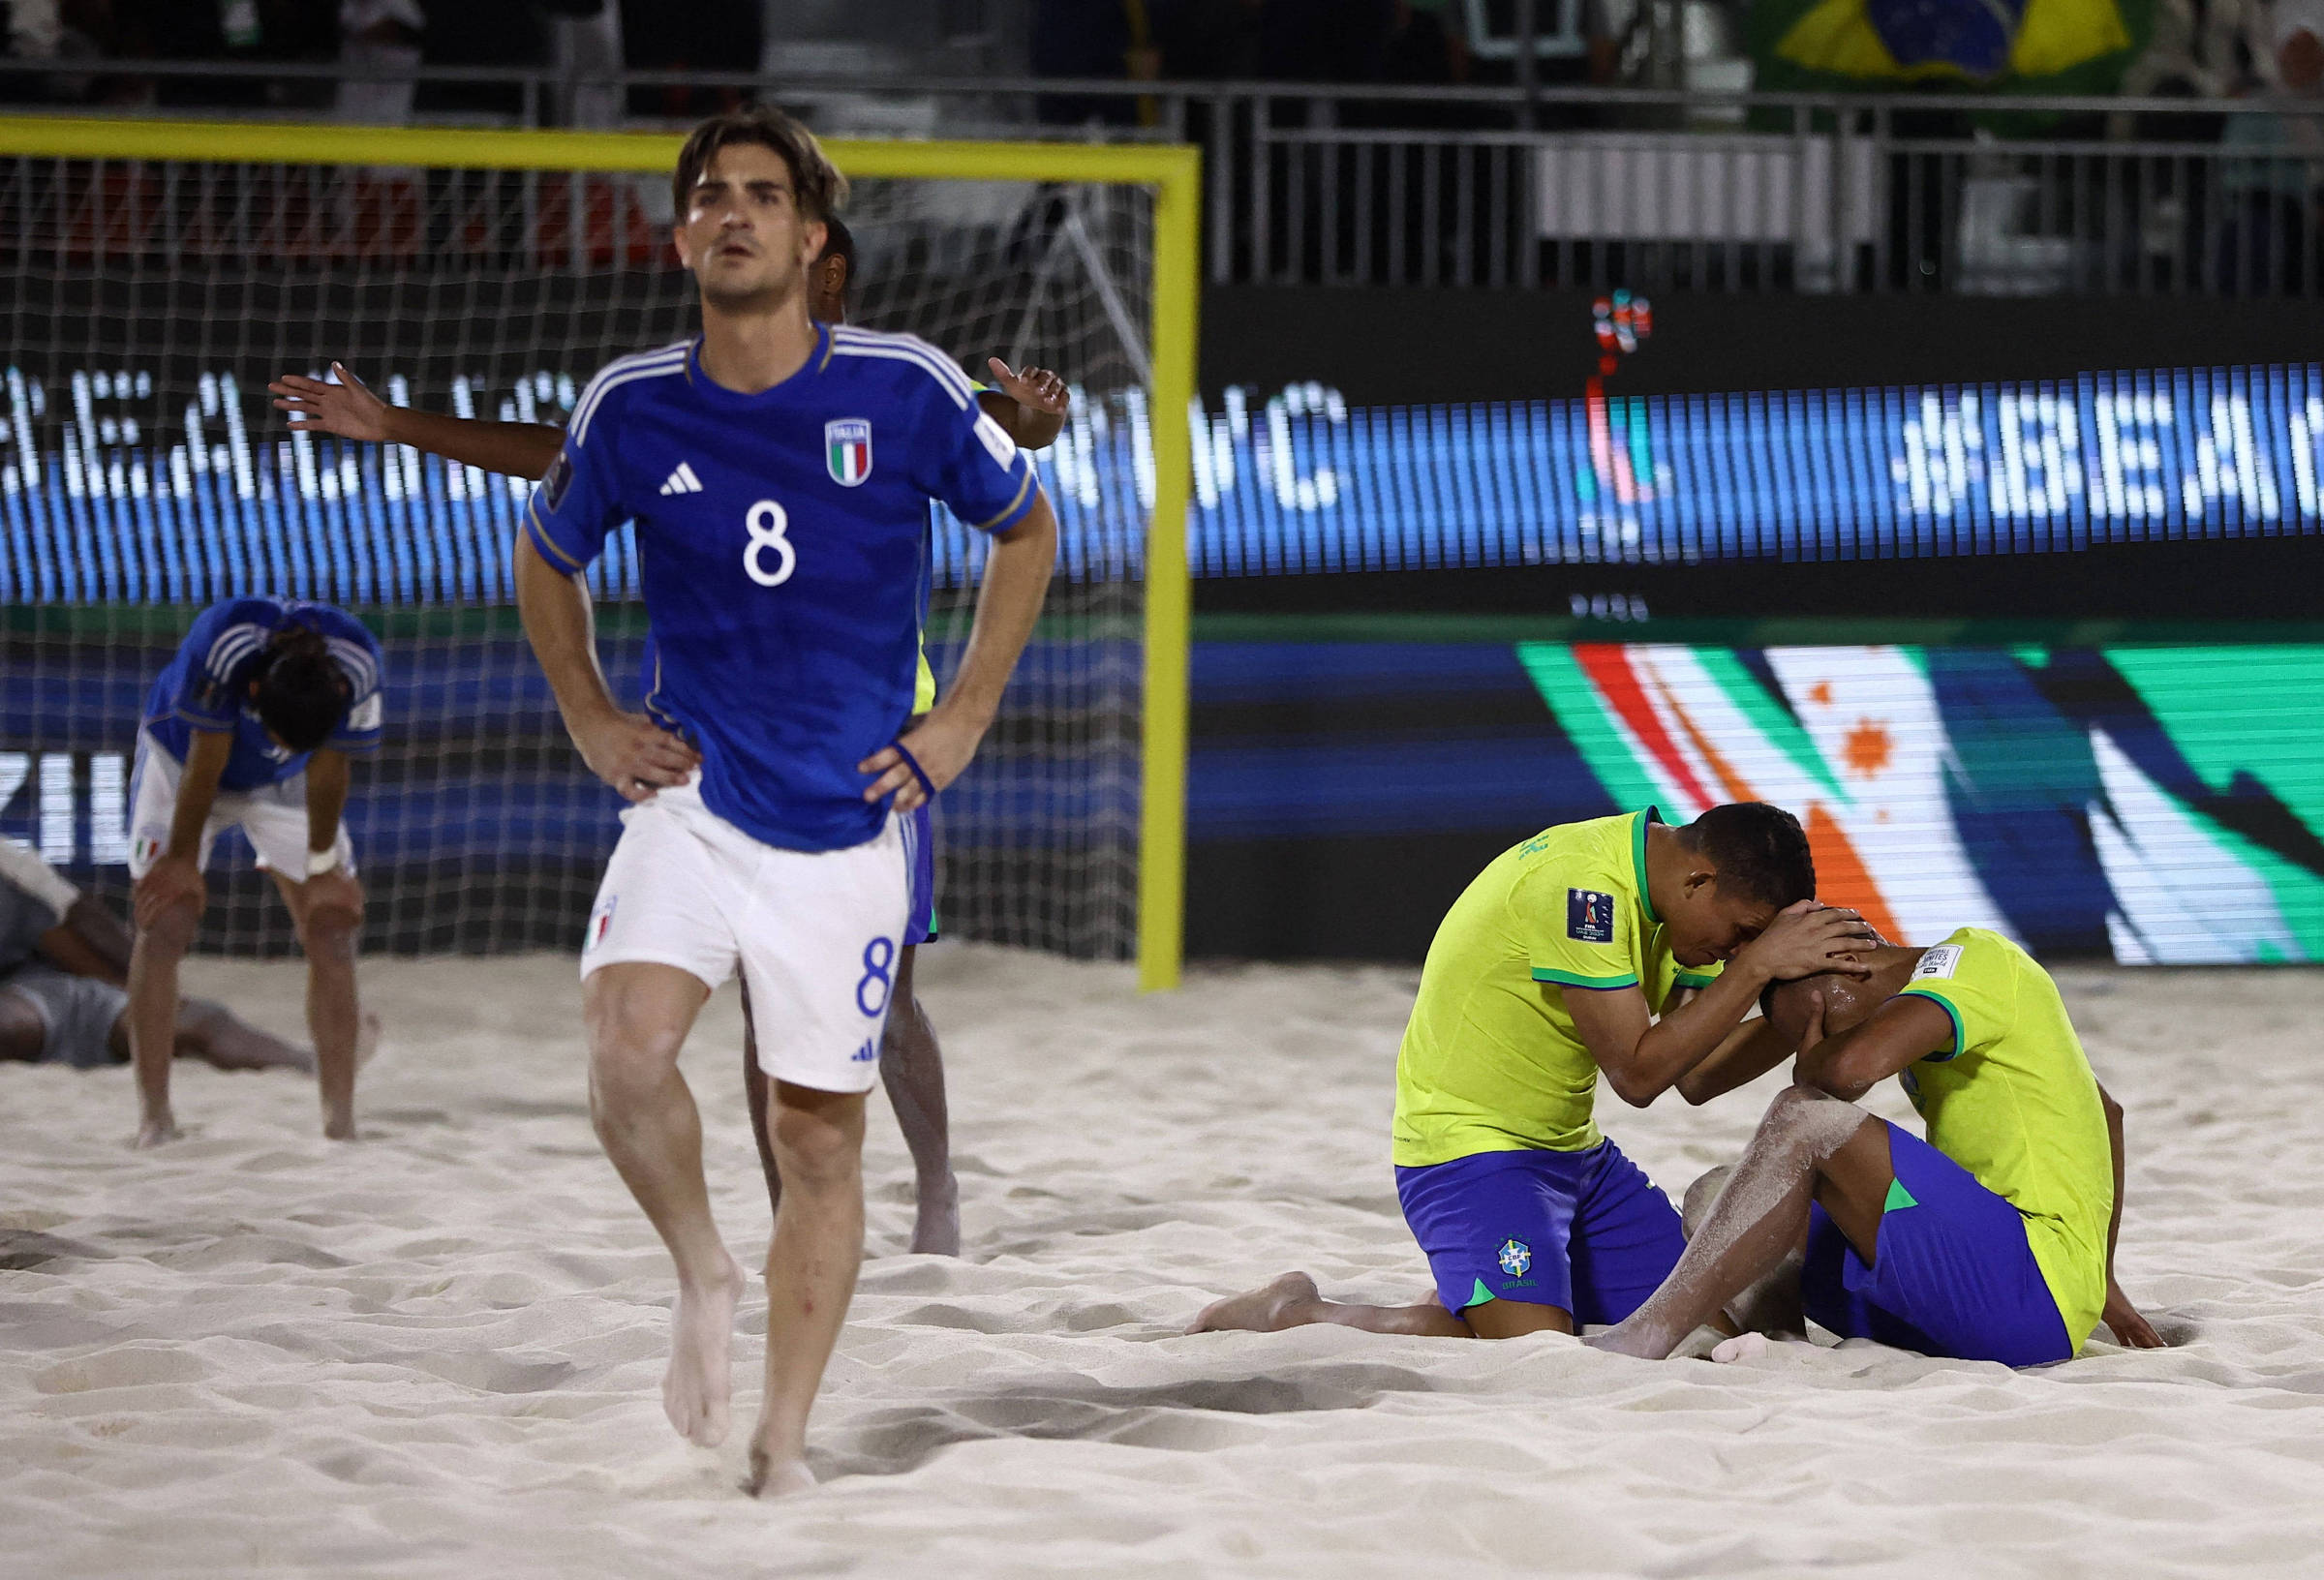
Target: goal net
[(148, 300)]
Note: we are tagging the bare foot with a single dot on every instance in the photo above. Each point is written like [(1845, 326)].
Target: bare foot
[(339, 1127), (1742, 1347), (936, 1230), (696, 1388), (771, 1478), (157, 1131), (1269, 1309)]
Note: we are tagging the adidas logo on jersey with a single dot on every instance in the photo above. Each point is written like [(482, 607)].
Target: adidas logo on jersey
[(683, 481)]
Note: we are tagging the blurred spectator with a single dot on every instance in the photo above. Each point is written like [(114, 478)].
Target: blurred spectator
[(241, 31), (700, 36), (1426, 44), (2274, 214), (1109, 39), (585, 42), (383, 34), (480, 33)]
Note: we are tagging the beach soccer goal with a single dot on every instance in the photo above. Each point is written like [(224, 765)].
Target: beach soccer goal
[(155, 276)]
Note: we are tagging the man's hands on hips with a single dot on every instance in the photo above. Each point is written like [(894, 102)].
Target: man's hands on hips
[(170, 883), (634, 754), (942, 743)]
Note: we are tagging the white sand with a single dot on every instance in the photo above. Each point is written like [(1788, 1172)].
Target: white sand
[(436, 1353)]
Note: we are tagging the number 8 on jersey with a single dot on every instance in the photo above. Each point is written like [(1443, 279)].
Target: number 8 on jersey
[(767, 522)]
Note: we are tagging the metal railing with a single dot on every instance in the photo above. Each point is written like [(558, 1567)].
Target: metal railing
[(1352, 184)]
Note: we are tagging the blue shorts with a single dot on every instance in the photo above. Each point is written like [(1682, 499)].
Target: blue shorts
[(1585, 1231), (1954, 1275), (920, 924)]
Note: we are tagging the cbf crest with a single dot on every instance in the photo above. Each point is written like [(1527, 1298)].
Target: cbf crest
[(1515, 1257), (847, 451)]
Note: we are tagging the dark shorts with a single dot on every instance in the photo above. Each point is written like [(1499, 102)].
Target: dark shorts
[(77, 1013), (920, 924), (1585, 1231), (1954, 1275)]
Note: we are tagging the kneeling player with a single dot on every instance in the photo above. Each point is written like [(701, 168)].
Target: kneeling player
[(251, 725), (64, 964), (1551, 970), (1991, 1240)]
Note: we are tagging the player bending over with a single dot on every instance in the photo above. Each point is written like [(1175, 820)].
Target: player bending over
[(251, 725), (1031, 405), (64, 964), (1991, 1240), (775, 766), (1591, 949)]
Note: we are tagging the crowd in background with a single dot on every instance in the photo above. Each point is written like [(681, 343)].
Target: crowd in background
[(2195, 48), (2258, 203)]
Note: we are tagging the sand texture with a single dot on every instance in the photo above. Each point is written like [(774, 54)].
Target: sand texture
[(437, 1352)]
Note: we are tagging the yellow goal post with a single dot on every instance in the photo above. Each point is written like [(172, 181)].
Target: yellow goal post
[(1170, 174)]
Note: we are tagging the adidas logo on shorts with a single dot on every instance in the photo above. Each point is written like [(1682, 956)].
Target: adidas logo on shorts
[(683, 481)]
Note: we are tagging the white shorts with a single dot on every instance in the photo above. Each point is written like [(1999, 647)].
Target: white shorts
[(274, 817), (815, 932)]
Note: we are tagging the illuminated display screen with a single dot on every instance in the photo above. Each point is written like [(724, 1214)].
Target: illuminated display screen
[(116, 490)]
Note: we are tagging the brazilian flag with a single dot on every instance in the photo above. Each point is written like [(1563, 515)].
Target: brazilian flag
[(2027, 47)]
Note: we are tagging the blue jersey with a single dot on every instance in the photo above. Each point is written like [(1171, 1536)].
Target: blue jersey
[(206, 686), (781, 538)]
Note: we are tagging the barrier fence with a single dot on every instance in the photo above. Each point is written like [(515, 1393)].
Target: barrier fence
[(1349, 184)]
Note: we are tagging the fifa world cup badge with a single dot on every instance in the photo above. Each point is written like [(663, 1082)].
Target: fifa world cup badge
[(847, 451)]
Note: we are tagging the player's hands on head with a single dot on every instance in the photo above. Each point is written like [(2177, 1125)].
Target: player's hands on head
[(942, 744), (348, 408), (2130, 1330), (1037, 389), (634, 756), (170, 882), (1809, 939)]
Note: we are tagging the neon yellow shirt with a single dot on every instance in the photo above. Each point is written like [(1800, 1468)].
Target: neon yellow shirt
[(1491, 1061), (2016, 1105)]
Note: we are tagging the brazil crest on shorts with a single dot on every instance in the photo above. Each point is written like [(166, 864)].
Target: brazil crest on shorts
[(847, 451)]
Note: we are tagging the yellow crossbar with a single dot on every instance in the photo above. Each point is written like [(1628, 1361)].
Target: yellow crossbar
[(1173, 170)]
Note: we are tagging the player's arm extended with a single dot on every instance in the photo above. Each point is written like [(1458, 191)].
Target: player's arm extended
[(2131, 1330), (1852, 1063), (1031, 404), (327, 800), (174, 876), (627, 750), (1643, 1058), (1017, 573), (1743, 1056), (349, 410)]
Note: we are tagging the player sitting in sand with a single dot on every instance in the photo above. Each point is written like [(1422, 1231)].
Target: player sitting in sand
[(1991, 1240), (1551, 970), (251, 725), (64, 964)]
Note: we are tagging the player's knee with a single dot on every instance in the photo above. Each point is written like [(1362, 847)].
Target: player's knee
[(817, 1144), (1807, 1117), (331, 931), (630, 1049), (1700, 1197), (169, 932)]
